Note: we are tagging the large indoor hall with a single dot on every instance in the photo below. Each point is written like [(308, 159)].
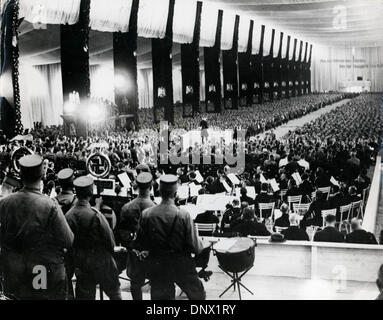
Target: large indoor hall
[(218, 150)]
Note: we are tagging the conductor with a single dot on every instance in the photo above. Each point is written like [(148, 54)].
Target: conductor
[(168, 236)]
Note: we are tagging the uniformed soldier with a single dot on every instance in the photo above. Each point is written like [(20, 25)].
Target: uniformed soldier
[(66, 197), (168, 235), (93, 246), (129, 224), (34, 236)]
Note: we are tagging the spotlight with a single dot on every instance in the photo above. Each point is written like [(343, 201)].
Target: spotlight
[(120, 81), (69, 107), (95, 112)]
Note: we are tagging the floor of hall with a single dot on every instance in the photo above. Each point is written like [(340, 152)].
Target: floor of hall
[(275, 288), (292, 125)]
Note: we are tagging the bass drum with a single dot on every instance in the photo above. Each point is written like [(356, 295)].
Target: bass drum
[(17, 155), (235, 254)]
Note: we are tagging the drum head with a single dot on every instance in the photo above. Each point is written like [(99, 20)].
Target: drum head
[(234, 245)]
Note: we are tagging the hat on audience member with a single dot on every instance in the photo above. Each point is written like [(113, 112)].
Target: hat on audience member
[(277, 237), (168, 183), (31, 167), (142, 168), (144, 180)]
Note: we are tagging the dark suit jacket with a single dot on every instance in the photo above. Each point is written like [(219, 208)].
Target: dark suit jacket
[(282, 222), (329, 234), (295, 233), (361, 237), (263, 197), (249, 228)]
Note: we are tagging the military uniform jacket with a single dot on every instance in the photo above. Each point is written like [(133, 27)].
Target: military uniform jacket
[(33, 224), (66, 200), (166, 230), (91, 229)]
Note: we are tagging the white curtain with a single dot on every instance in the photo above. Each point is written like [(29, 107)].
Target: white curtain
[(102, 81), (267, 40), (257, 36), (177, 85), (284, 45), (152, 18), (209, 20), (41, 94), (184, 20), (110, 16), (145, 88), (50, 11), (228, 24), (202, 96), (277, 42), (243, 33), (333, 66)]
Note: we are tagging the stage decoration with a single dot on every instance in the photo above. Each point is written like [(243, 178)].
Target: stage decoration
[(152, 18), (209, 22), (212, 88), (15, 67), (290, 83), (283, 83), (161, 92), (267, 38), (277, 43), (229, 87), (98, 165), (276, 85), (17, 155), (245, 67), (228, 25), (243, 33), (184, 21), (267, 85), (51, 11), (189, 90), (292, 48), (244, 86), (256, 85), (110, 16), (284, 46)]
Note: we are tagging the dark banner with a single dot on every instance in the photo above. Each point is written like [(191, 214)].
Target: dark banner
[(305, 66), (10, 95), (285, 74), (230, 71), (246, 82), (162, 72), (190, 70), (292, 73), (125, 67), (278, 69), (75, 60), (299, 75), (269, 72), (213, 72), (308, 77)]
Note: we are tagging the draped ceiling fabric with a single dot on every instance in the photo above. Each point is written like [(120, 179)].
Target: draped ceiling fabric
[(152, 18), (243, 33), (184, 21), (111, 18), (209, 21), (50, 11)]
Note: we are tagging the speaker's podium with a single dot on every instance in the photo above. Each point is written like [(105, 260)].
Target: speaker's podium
[(73, 126), (356, 86)]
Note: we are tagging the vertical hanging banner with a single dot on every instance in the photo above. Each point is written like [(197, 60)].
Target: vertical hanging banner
[(285, 67), (10, 116), (246, 82), (305, 83), (292, 73), (278, 64), (190, 59), (256, 64), (125, 68), (299, 69), (75, 68), (212, 68), (309, 69), (268, 63), (230, 71), (163, 69)]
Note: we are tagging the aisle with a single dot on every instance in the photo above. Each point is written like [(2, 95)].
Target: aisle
[(297, 123)]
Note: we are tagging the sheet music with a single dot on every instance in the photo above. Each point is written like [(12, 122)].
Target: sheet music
[(234, 179), (297, 177), (194, 188), (262, 179), (334, 182), (183, 191), (125, 180), (198, 177), (274, 185)]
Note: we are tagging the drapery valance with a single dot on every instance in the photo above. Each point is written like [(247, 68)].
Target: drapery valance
[(267, 41), (110, 16), (277, 42), (152, 18), (50, 11), (209, 21), (257, 36), (243, 34), (228, 24), (184, 20)]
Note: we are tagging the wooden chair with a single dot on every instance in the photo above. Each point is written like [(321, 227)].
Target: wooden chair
[(266, 207), (294, 199), (344, 211), (205, 228), (325, 190), (357, 209), (282, 194), (301, 208), (326, 213), (313, 196)]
